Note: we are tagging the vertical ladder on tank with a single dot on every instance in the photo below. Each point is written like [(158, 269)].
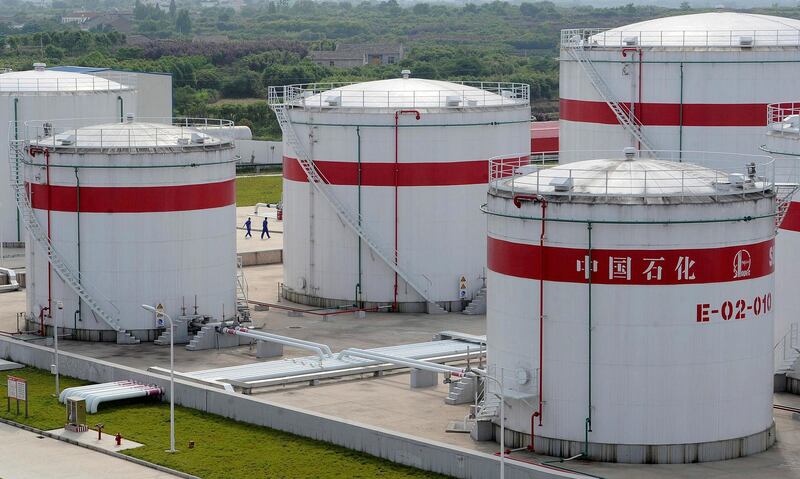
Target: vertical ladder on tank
[(321, 184), (624, 115), (102, 307)]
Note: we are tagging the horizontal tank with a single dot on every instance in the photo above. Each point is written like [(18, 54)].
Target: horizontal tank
[(143, 212), (407, 159), (630, 306), (40, 93), (699, 82)]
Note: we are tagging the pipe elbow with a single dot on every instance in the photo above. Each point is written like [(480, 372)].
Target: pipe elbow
[(518, 199)]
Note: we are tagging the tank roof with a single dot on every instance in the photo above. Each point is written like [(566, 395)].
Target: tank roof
[(625, 179), (132, 135), (52, 81), (405, 92), (713, 29)]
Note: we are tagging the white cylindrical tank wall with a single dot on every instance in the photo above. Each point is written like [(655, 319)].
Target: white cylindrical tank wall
[(145, 211), (656, 291), (783, 142), (410, 156), (697, 82), (39, 93)]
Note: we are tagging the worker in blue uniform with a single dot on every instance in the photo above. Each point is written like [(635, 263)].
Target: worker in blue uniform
[(265, 228), (247, 227)]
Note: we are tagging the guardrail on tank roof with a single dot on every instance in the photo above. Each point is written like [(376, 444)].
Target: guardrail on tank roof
[(331, 95), (603, 38), (111, 81), (784, 118), (690, 174), (131, 133)]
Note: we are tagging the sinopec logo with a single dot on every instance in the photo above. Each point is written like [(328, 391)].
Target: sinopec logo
[(741, 264)]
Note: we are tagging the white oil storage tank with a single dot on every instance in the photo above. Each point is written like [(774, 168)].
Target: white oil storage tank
[(40, 93), (630, 306), (137, 212), (699, 82), (398, 168), (783, 143)]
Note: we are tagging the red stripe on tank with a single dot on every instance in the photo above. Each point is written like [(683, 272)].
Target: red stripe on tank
[(634, 267), (134, 199), (791, 222), (668, 114), (344, 173)]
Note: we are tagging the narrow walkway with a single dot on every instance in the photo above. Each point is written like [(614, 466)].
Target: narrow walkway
[(22, 453)]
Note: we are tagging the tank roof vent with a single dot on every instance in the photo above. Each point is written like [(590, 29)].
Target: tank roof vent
[(630, 41), (129, 117), (183, 141), (406, 73), (68, 140), (630, 153), (737, 180), (39, 67), (198, 138), (562, 183), (746, 42), (453, 100)]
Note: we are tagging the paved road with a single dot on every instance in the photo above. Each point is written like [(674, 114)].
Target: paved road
[(24, 456)]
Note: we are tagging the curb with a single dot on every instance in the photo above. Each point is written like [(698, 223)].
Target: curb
[(117, 455)]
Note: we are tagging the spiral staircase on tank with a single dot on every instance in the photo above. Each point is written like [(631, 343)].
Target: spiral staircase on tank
[(575, 43), (102, 307), (280, 105)]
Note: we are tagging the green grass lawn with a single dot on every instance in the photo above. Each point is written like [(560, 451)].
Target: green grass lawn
[(258, 189), (224, 448)]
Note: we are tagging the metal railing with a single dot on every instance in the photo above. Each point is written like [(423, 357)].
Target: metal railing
[(691, 174), (784, 118), (108, 82), (330, 95), (603, 38), (112, 133)]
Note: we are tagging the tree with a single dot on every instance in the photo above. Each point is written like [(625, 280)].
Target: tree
[(183, 24), (421, 8), (271, 8), (172, 9), (685, 6)]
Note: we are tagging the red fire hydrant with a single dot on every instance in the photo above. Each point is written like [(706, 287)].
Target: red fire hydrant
[(118, 438)]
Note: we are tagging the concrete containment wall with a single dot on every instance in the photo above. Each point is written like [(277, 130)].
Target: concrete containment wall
[(393, 446)]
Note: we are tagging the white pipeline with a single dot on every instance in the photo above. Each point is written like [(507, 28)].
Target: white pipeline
[(321, 350), (406, 362)]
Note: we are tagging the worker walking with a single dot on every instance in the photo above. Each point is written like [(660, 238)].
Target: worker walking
[(247, 227), (265, 228)]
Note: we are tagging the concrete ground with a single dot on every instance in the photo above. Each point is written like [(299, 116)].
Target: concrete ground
[(388, 402), (25, 455)]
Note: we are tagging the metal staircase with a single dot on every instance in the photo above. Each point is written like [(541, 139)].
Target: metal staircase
[(242, 303), (783, 200), (624, 115), (786, 352), (102, 307), (321, 184)]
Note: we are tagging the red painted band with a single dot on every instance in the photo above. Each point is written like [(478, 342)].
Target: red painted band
[(638, 267), (345, 173), (791, 221), (134, 199), (668, 114)]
